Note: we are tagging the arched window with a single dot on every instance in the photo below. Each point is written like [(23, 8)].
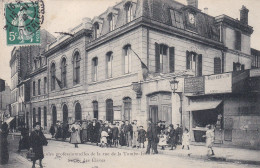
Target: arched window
[(129, 12), (109, 60), (39, 115), (97, 30), (53, 77), (127, 59), (109, 110), (111, 20), (127, 108), (63, 73), (94, 68), (45, 116), (76, 67), (34, 116), (65, 113), (95, 109), (54, 115), (78, 115)]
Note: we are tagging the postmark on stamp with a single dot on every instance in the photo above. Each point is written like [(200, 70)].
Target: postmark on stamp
[(23, 23)]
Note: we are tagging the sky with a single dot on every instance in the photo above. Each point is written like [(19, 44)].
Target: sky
[(61, 15)]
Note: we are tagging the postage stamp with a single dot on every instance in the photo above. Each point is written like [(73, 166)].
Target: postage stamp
[(22, 23)]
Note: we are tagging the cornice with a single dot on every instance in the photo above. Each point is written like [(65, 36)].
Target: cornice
[(38, 71)]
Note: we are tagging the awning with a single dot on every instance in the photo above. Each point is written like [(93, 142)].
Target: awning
[(203, 105), (8, 120)]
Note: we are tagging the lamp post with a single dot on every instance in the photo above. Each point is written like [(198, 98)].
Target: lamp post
[(174, 86)]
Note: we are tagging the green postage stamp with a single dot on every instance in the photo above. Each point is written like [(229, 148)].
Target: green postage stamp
[(22, 23)]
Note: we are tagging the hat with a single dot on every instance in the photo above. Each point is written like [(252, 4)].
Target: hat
[(37, 123), (141, 126), (171, 125)]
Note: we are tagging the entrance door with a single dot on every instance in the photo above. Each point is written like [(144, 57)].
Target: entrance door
[(65, 113), (153, 113), (54, 115)]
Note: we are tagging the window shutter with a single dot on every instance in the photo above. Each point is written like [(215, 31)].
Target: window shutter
[(200, 65), (217, 65), (187, 60), (172, 59), (157, 57)]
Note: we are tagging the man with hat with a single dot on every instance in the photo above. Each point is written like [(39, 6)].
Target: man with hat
[(135, 134), (128, 130), (152, 137)]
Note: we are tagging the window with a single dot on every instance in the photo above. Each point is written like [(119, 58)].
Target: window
[(45, 116), (34, 116), (177, 20), (40, 61), (127, 108), (129, 12), (194, 63), (237, 66), (164, 58), (95, 68), (127, 59), (78, 115), (111, 19), (39, 115), (53, 77), (97, 30), (95, 109), (217, 65), (76, 64), (33, 88), (238, 40), (45, 85), (63, 73), (109, 110), (39, 87), (109, 58)]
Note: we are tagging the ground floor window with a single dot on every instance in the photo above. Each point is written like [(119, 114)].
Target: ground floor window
[(78, 115), (109, 110)]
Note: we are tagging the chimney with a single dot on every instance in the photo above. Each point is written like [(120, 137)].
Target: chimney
[(244, 15), (206, 10), (193, 3)]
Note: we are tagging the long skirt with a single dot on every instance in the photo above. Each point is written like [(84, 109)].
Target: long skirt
[(38, 150), (85, 135)]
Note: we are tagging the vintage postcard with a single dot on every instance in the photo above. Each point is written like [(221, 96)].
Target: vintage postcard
[(129, 83)]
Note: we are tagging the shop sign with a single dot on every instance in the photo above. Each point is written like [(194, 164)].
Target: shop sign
[(255, 72), (220, 83), (194, 85)]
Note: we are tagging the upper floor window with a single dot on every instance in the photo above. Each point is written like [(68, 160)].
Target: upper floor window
[(97, 30), (194, 62), (237, 40), (109, 60), (53, 77), (129, 12), (76, 67), (33, 88), (237, 66), (95, 109), (39, 87), (217, 65), (164, 58), (40, 61), (45, 85), (111, 19), (63, 73), (127, 59), (94, 68)]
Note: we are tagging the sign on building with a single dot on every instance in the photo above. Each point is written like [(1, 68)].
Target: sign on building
[(220, 83), (194, 85), (255, 72)]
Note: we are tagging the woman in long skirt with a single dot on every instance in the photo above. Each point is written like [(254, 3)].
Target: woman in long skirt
[(75, 134)]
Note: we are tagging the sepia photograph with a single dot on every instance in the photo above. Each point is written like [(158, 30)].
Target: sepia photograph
[(129, 83)]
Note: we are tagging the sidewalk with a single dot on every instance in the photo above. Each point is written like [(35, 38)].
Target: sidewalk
[(16, 160), (238, 155)]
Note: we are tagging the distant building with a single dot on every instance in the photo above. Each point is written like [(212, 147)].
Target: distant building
[(256, 58), (5, 100)]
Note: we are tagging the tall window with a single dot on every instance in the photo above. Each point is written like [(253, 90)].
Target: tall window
[(39, 115), (45, 85), (109, 58), (45, 116), (217, 65), (76, 64), (111, 20), (127, 108), (238, 40), (95, 109), (53, 71), (194, 62), (63, 73), (127, 59), (40, 61), (129, 12), (34, 116), (39, 87), (164, 58), (109, 110), (94, 68), (78, 114), (33, 88), (97, 30)]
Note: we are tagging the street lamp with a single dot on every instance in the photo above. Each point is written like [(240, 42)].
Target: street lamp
[(174, 86)]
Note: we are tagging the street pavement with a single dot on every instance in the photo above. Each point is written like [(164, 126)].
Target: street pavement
[(64, 154)]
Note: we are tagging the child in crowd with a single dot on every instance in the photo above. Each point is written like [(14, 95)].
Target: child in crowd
[(141, 136), (163, 140), (103, 140), (186, 139)]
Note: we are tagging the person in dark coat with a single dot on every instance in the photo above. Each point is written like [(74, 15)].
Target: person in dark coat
[(52, 131), (172, 136), (128, 130), (141, 136), (115, 134), (24, 142), (37, 141), (152, 137), (95, 127), (122, 140), (90, 131), (65, 130), (4, 155), (178, 134), (59, 131)]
